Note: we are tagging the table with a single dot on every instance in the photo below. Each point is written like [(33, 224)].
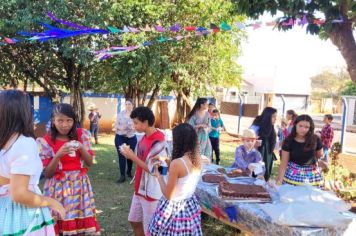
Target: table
[(251, 219)]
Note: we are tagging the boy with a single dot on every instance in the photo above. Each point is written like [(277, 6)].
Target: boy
[(216, 126), (327, 135), (247, 158), (147, 189), (94, 117)]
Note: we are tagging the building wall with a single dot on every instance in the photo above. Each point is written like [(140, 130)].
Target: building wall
[(351, 114)]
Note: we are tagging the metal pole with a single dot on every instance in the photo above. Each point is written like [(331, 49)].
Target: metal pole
[(284, 105), (344, 118), (241, 112)]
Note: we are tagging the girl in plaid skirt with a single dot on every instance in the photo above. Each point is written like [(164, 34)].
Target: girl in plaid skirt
[(301, 152), (178, 211)]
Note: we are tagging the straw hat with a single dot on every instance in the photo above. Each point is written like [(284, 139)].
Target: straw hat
[(92, 107), (248, 133)]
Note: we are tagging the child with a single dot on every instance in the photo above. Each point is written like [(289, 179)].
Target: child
[(23, 211), (94, 117), (301, 151), (178, 211), (216, 126), (211, 108), (147, 191), (327, 135), (65, 152), (246, 156), (282, 133)]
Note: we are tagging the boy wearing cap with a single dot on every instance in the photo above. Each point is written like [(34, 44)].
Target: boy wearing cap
[(94, 117), (247, 158)]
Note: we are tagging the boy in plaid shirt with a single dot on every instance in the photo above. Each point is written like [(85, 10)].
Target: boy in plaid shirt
[(327, 135)]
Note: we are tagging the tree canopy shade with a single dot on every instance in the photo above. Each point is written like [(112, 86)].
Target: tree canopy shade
[(339, 15), (185, 67)]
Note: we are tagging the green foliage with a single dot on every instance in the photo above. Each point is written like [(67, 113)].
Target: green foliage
[(296, 8), (329, 84), (188, 65), (350, 89)]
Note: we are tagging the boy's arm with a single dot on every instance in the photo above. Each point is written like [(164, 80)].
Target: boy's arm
[(129, 154)]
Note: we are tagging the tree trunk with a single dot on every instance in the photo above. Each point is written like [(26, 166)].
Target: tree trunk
[(76, 99), (342, 37), (154, 96)]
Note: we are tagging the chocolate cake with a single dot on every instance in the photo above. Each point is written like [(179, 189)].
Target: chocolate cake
[(242, 191), (213, 178)]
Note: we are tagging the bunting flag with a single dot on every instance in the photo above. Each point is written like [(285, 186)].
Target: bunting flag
[(207, 205), (218, 212), (231, 213), (53, 32)]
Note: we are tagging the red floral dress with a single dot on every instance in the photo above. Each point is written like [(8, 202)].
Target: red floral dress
[(71, 186)]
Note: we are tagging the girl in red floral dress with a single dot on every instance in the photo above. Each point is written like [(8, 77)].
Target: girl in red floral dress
[(66, 152)]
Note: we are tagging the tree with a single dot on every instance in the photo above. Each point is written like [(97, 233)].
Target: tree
[(350, 89), (58, 65), (340, 33), (329, 84), (189, 67)]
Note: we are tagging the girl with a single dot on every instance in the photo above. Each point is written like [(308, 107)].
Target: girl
[(178, 211), (23, 211), (300, 153), (199, 118), (125, 134), (64, 152), (263, 126), (291, 116)]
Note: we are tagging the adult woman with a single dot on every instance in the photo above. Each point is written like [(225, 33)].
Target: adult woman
[(23, 211), (263, 125), (125, 134), (199, 118), (300, 153), (291, 115)]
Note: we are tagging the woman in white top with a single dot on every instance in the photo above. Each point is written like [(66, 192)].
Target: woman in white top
[(23, 210), (178, 211), (125, 134)]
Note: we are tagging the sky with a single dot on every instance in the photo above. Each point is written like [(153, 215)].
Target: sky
[(283, 62)]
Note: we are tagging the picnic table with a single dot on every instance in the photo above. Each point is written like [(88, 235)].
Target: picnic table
[(251, 219)]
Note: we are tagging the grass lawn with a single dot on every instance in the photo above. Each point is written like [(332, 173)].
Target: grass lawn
[(113, 200)]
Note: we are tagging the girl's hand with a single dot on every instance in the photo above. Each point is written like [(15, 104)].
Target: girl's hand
[(64, 150), (56, 206), (158, 160), (127, 152), (156, 172)]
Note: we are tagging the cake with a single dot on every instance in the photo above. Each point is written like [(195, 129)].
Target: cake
[(237, 173), (213, 178), (221, 170), (242, 191)]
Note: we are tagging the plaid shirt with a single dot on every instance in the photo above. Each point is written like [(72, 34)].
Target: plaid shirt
[(327, 135)]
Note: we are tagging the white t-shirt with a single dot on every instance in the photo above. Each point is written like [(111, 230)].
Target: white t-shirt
[(22, 158)]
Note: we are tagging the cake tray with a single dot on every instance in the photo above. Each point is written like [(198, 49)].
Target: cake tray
[(245, 200)]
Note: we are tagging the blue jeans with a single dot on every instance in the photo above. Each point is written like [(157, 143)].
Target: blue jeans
[(326, 154), (94, 129), (119, 140)]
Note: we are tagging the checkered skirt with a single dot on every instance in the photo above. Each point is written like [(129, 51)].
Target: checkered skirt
[(176, 218), (15, 219), (300, 175)]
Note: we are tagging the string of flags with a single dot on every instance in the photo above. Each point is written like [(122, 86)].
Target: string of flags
[(52, 32)]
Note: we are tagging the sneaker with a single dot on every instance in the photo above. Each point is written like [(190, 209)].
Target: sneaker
[(121, 179)]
